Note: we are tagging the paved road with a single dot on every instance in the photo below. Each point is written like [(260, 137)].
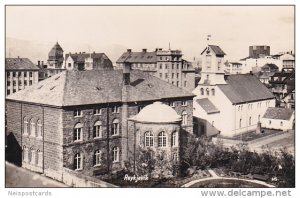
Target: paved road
[(20, 177)]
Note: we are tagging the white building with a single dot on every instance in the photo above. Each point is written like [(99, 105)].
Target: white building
[(231, 104), (255, 64), (278, 118)]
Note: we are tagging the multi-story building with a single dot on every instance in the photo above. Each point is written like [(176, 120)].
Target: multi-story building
[(55, 62), (84, 120), (233, 67), (20, 73), (87, 61), (288, 60), (229, 105), (258, 51), (283, 87), (167, 65), (266, 72)]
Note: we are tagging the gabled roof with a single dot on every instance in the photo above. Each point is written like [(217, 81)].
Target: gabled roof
[(138, 57), (271, 66), (71, 88), (216, 49), (19, 64), (242, 88), (80, 57), (278, 113), (207, 105)]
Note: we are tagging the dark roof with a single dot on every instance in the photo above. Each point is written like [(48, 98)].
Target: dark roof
[(216, 49), (235, 63), (71, 88), (207, 105), (278, 113), (242, 88), (19, 64), (80, 57), (55, 49), (245, 58), (138, 57), (271, 66)]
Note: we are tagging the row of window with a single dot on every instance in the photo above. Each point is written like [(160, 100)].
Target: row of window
[(97, 130), (172, 75), (250, 106), (96, 111), (19, 83), (19, 74), (161, 139), (33, 128), (97, 158), (207, 91), (32, 156), (249, 121)]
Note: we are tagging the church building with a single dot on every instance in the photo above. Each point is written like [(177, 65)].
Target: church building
[(227, 104)]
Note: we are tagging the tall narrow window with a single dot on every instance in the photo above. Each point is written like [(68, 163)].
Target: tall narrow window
[(162, 139), (32, 128), (207, 91), (213, 91), (115, 154), (78, 162), (184, 118), (249, 121), (33, 156), (148, 139), (97, 157), (39, 128), (115, 127), (174, 139), (241, 123), (97, 129), (25, 154), (25, 127), (208, 61), (78, 132), (39, 158), (202, 91)]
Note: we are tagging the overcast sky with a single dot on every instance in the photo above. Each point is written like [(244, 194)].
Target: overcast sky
[(233, 28)]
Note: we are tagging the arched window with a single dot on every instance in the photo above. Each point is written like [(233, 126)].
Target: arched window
[(115, 154), (97, 129), (241, 123), (32, 128), (33, 156), (207, 91), (77, 161), (25, 127), (97, 158), (39, 158), (39, 128), (202, 91), (281, 123), (250, 121), (174, 139), (78, 132), (115, 127), (25, 154), (184, 118), (162, 139), (149, 138), (213, 91)]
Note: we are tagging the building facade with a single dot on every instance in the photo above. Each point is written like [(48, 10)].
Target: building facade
[(279, 118), (19, 74), (228, 105), (80, 120), (167, 65), (87, 61)]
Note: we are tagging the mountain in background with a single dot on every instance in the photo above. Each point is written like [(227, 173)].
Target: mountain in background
[(36, 50)]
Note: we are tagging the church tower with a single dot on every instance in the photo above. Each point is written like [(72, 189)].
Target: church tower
[(56, 57)]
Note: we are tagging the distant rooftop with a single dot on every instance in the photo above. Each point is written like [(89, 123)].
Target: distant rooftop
[(19, 64)]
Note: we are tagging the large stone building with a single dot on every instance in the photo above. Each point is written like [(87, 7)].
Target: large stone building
[(84, 120), (167, 65), (87, 61), (19, 74), (229, 105)]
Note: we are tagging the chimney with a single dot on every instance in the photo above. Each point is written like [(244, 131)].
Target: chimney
[(126, 73), (144, 50), (39, 63), (129, 50)]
